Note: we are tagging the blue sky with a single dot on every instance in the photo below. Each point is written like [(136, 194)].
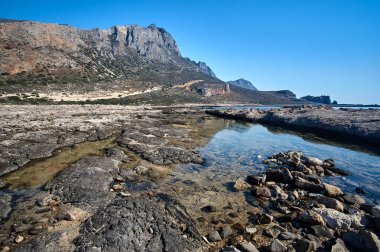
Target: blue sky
[(308, 46)]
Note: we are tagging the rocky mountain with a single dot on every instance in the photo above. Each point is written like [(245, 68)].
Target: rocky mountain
[(243, 84), (324, 99), (35, 54)]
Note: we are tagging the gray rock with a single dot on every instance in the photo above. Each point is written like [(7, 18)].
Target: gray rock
[(362, 240), (5, 206), (264, 218), (338, 246), (310, 217), (214, 236), (276, 246), (322, 231), (304, 245), (353, 198), (262, 192), (334, 219), (226, 232), (376, 211), (128, 224), (287, 236), (287, 175), (246, 247), (301, 183), (331, 203), (256, 180), (86, 182)]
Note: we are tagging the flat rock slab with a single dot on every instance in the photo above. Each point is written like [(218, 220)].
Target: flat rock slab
[(139, 224), (86, 182)]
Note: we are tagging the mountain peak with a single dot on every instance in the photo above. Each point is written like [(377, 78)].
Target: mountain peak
[(243, 83)]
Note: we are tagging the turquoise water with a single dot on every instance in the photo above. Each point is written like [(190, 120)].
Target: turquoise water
[(238, 150)]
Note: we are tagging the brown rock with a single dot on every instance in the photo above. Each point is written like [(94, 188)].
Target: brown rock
[(332, 191)]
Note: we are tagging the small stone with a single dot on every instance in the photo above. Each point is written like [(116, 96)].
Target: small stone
[(287, 236), (241, 185), (262, 192), (214, 221), (237, 227), (118, 187), (272, 232), (264, 218), (250, 231), (229, 249), (332, 191), (119, 179), (5, 249), (43, 210), (353, 198), (124, 194), (233, 215), (304, 245), (246, 247), (208, 209), (276, 246), (226, 232), (279, 193), (19, 239), (64, 216), (214, 236)]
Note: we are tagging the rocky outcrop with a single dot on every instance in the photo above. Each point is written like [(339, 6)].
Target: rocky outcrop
[(359, 124), (243, 84), (324, 99), (43, 53)]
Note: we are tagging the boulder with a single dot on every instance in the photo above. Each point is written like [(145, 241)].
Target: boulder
[(256, 180), (274, 175), (361, 240), (322, 231), (304, 245), (331, 203), (334, 219), (353, 198), (310, 217), (314, 161), (286, 174), (338, 246), (301, 183), (332, 191), (262, 192)]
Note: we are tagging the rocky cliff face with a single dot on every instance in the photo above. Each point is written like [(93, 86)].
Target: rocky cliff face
[(34, 53), (243, 84)]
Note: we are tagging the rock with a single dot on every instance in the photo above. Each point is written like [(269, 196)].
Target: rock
[(264, 218), (274, 175), (246, 247), (362, 240), (118, 187), (229, 249), (314, 161), (301, 183), (2, 184), (338, 246), (64, 216), (19, 239), (287, 236), (376, 211), (331, 203), (367, 208), (141, 170), (208, 209), (273, 231), (329, 163), (304, 245), (359, 218), (241, 185), (353, 198), (256, 180), (226, 232), (6, 249), (360, 190), (262, 192), (250, 231), (5, 206), (322, 231), (310, 217), (334, 219), (214, 236), (279, 193), (287, 175), (276, 246), (332, 191)]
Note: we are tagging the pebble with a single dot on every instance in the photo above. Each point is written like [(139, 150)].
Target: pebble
[(264, 218), (214, 236), (208, 209), (276, 246), (5, 249), (118, 187), (246, 247), (226, 232), (250, 231), (262, 192), (19, 239)]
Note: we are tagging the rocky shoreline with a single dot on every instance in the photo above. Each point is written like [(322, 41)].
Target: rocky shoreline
[(115, 189), (359, 124)]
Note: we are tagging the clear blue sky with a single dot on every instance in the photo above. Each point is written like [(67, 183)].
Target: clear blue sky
[(308, 46)]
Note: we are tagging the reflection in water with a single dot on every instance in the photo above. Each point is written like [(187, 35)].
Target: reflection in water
[(237, 151)]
